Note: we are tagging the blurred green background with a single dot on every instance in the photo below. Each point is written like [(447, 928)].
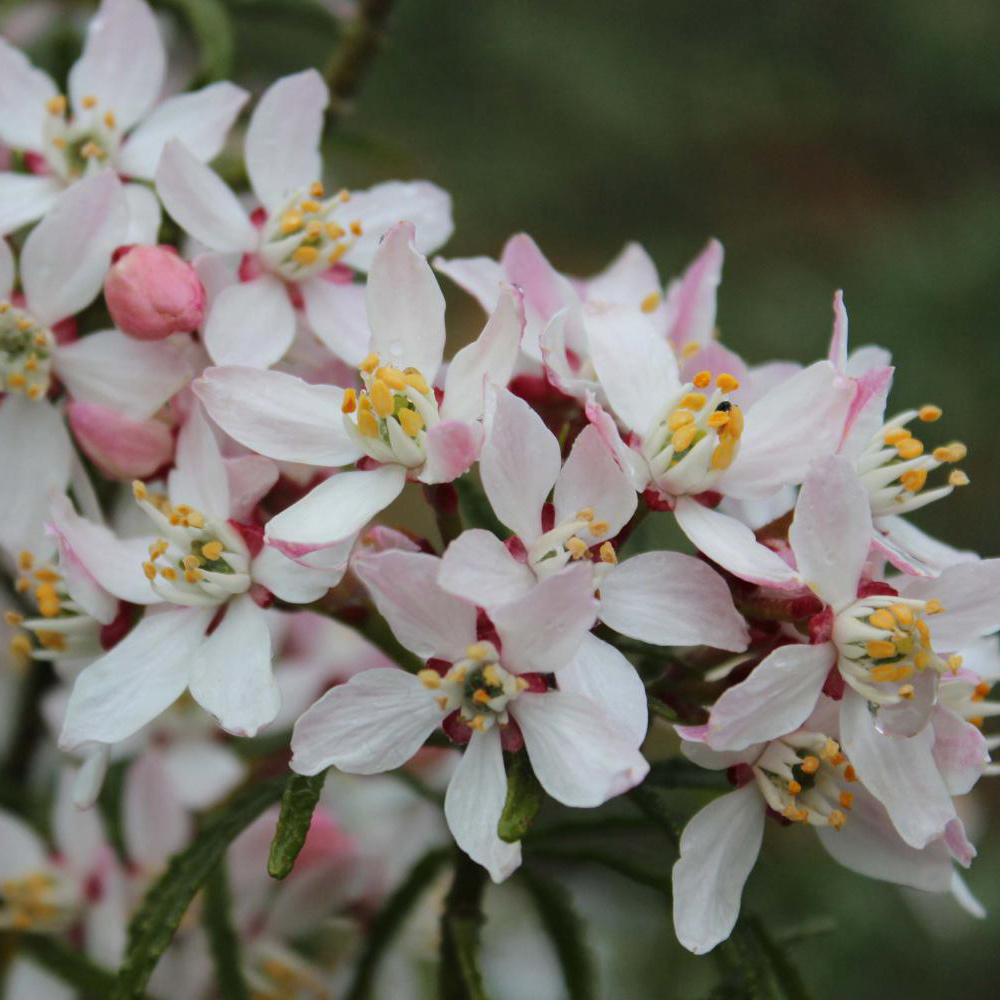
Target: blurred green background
[(852, 145)]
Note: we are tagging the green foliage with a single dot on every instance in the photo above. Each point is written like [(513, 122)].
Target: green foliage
[(524, 798), (459, 977), (755, 967), (223, 940), (210, 23), (297, 804), (475, 508)]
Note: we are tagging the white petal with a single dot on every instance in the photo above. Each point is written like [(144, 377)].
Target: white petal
[(201, 120), (144, 215), (930, 554), (134, 376), (426, 620), (23, 850), (452, 448), (278, 415), (691, 299), (231, 675), (542, 630), (478, 567), (718, 849), (250, 479), (777, 698), (375, 722), (282, 143), (123, 61), (672, 600), (295, 581), (132, 684), (25, 198), (252, 324), (713, 760), (405, 305), (732, 545), (201, 202), (199, 475), (474, 803), (627, 280), (66, 256), (24, 92), (154, 823), (959, 750), (479, 276), (202, 773), (7, 269), (519, 463), (338, 316), (27, 981), (579, 754)]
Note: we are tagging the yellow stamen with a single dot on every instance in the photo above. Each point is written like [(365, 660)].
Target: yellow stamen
[(882, 619), (480, 697), (304, 256), (914, 480), (392, 377), (794, 788), (955, 663), (957, 478), (909, 448), (168, 573), (930, 413), (727, 382), (430, 678), (680, 418), (577, 548), (370, 363), (20, 645), (608, 555), (585, 514), (702, 380), (850, 774), (416, 381), (724, 453), (334, 231), (599, 528), (350, 403), (880, 649), (688, 351), (896, 435), (883, 673), (316, 189), (906, 692), (56, 105), (491, 676), (933, 607), (381, 398), (718, 419), (367, 423), (25, 560), (212, 550), (693, 401), (650, 302), (682, 439), (89, 101), (356, 227), (903, 614), (837, 819), (810, 764), (846, 800), (13, 618), (139, 489), (411, 422), (310, 206), (950, 453), (150, 570), (922, 660)]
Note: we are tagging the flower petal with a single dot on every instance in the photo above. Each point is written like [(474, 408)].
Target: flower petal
[(628, 280), (671, 599), (375, 722), (155, 824), (24, 92), (202, 773), (337, 315), (777, 698), (481, 277), (474, 803), (251, 324), (200, 119), (199, 476), (959, 750), (295, 580), (478, 567), (23, 850), (282, 143), (25, 198), (452, 447), (691, 300), (920, 553), (278, 415), (250, 479), (7, 269), (144, 215)]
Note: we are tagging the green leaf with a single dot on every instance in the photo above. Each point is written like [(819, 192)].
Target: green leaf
[(652, 802), (65, 963), (757, 967), (475, 508), (652, 878), (390, 917), (458, 971), (297, 804), (565, 928), (677, 772), (223, 941), (524, 798), (213, 31), (165, 904)]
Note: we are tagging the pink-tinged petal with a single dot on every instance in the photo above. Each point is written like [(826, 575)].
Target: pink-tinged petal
[(336, 509), (554, 342), (671, 599), (135, 377), (698, 752), (542, 630), (958, 844), (23, 850), (778, 696), (636, 368), (864, 359), (519, 463), (201, 120), (838, 341), (294, 580), (629, 461), (338, 316), (114, 564), (869, 845), (452, 447), (831, 532), (545, 290), (76, 833), (691, 299), (24, 93), (899, 772), (733, 546), (962, 895), (474, 802), (405, 305), (426, 619), (123, 62), (628, 280), (599, 673), (481, 277), (66, 256), (579, 753), (959, 750), (592, 478), (251, 324), (718, 849), (7, 269), (155, 824), (25, 198), (757, 513), (375, 722), (201, 202), (899, 557), (478, 567), (35, 453), (278, 415), (199, 476), (968, 593), (426, 206), (231, 675), (144, 215), (982, 658), (866, 412), (799, 420), (762, 379), (488, 360), (137, 680), (713, 357), (901, 540), (250, 479), (202, 773), (282, 143)]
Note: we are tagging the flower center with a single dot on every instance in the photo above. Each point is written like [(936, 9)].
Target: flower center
[(696, 437), (477, 687), (882, 642), (800, 778), (40, 901), (389, 418), (205, 561), (894, 466), (308, 234), (572, 540), (76, 145), (25, 353)]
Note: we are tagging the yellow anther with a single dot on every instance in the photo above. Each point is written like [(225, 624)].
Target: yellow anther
[(922, 660), (923, 631), (23, 585), (31, 364), (477, 651), (683, 439), (13, 618), (356, 227), (883, 674), (914, 480), (837, 819), (846, 800), (895, 435), (693, 401), (724, 453), (794, 788), (953, 452), (47, 575), (957, 478), (381, 398), (679, 418), (727, 382), (316, 189), (56, 105), (59, 142), (335, 232), (480, 697), (576, 547), (457, 674), (906, 692), (20, 645), (718, 419), (910, 447), (442, 701), (139, 490), (25, 560), (491, 676), (24, 325), (192, 575), (392, 377), (810, 764), (190, 562), (416, 381), (335, 255), (430, 678), (304, 256), (850, 774), (168, 573), (195, 519), (364, 403), (310, 206), (585, 514), (109, 119), (735, 421), (982, 690), (791, 812), (955, 663), (650, 302), (904, 672), (370, 363), (367, 423), (34, 393), (150, 570), (881, 649), (598, 528), (90, 150), (313, 228), (350, 403), (52, 640), (930, 413), (16, 381), (688, 351), (902, 614), (608, 554), (89, 101), (933, 607), (830, 749), (344, 195), (212, 550), (882, 619), (411, 421), (977, 721)]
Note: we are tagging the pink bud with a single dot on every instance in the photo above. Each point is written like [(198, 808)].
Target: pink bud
[(119, 447), (151, 293)]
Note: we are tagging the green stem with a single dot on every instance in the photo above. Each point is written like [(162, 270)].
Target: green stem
[(354, 55), (223, 940), (461, 923)]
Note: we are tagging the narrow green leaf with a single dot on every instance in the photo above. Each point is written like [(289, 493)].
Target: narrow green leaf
[(751, 960), (458, 971), (652, 802), (565, 928), (475, 508), (213, 31), (161, 911), (65, 963), (223, 941), (676, 772), (297, 804), (662, 710), (390, 917), (524, 798), (641, 874)]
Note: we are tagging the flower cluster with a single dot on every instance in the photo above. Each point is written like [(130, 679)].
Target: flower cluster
[(203, 440)]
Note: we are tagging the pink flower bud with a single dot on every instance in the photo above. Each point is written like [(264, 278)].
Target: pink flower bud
[(151, 293)]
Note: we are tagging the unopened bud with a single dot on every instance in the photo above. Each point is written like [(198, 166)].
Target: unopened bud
[(151, 293)]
